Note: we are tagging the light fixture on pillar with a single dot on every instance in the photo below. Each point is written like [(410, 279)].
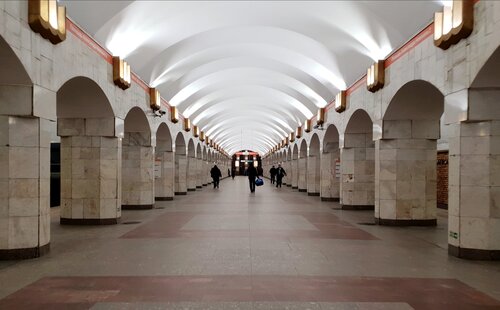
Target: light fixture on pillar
[(375, 76), (298, 132), (187, 124), (307, 125), (340, 101), (211, 143), (207, 140), (320, 117), (154, 99), (454, 23), (121, 73), (174, 115), (292, 137), (196, 131), (48, 19), (202, 136)]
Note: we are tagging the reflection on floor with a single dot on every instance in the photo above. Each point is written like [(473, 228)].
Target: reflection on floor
[(229, 249)]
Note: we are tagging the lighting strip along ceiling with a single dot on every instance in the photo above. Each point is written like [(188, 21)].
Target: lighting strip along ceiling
[(249, 73)]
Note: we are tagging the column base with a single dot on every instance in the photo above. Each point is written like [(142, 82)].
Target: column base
[(205, 184), (26, 253), (358, 207), (164, 198), (180, 193), (473, 254), (137, 207), (289, 185), (302, 190), (312, 194), (395, 222), (295, 187), (329, 199), (66, 221), (199, 187), (191, 189)]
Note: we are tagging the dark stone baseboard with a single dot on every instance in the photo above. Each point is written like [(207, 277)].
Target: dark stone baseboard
[(199, 187), (358, 207), (473, 254), (26, 253), (394, 222), (295, 187), (312, 194), (164, 198), (180, 193), (302, 190), (205, 184), (191, 189), (66, 221), (137, 207), (289, 185), (329, 199)]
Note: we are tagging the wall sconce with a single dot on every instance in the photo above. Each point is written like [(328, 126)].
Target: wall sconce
[(454, 23), (307, 125), (154, 99), (340, 101), (211, 143), (298, 132), (287, 140), (320, 117), (375, 76), (174, 115), (202, 136), (187, 124), (121, 73), (48, 19), (196, 131), (206, 140), (292, 137)]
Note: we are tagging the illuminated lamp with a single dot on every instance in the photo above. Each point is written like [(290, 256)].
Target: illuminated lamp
[(375, 76), (340, 101), (48, 19), (202, 136), (307, 125), (454, 23), (174, 115), (187, 124), (196, 131), (291, 137), (121, 73), (154, 99), (320, 117), (287, 140), (207, 140), (298, 132)]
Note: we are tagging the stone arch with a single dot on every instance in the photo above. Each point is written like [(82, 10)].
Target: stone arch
[(313, 166), (164, 164), (163, 138), (357, 189), (303, 149), (192, 166), (302, 167), (13, 71), (191, 148), (198, 152), (330, 165), (180, 180)]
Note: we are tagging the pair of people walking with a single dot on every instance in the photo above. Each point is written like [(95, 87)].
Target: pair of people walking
[(278, 174)]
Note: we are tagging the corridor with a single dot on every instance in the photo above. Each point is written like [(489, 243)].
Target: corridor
[(229, 249)]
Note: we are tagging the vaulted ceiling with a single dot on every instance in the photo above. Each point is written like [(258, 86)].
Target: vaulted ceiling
[(248, 73)]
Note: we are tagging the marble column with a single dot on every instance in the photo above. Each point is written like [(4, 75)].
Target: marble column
[(295, 174), (302, 171), (204, 172), (289, 172), (137, 171), (191, 174), (313, 176), (199, 173), (357, 172), (180, 185), (25, 187), (330, 180), (164, 180)]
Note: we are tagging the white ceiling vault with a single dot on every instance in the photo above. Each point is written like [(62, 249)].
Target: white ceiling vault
[(249, 72)]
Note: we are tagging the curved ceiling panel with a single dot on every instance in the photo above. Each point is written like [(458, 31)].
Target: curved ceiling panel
[(249, 72)]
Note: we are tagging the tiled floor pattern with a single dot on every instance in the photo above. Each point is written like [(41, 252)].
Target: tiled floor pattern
[(229, 249)]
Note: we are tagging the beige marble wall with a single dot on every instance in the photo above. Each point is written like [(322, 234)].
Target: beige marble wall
[(180, 185), (302, 172), (206, 173), (358, 171), (295, 174), (24, 182), (90, 172), (164, 183), (192, 170), (330, 183), (137, 170), (313, 176)]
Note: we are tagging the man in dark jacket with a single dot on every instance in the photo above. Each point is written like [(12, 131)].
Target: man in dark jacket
[(272, 172), (280, 173), (252, 174), (215, 174)]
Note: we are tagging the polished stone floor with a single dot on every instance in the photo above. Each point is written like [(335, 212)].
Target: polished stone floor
[(229, 249)]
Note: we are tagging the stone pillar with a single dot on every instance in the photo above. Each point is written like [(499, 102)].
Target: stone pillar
[(137, 171), (302, 171), (25, 187), (191, 174), (295, 174), (204, 167), (199, 173), (358, 172), (474, 190), (313, 176), (330, 180), (289, 172), (164, 180), (180, 185)]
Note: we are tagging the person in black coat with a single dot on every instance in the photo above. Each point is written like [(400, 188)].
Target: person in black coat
[(215, 174), (252, 174), (233, 172), (272, 172), (280, 173)]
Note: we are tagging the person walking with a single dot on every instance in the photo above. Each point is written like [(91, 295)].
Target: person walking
[(280, 173), (252, 174), (233, 172), (215, 174), (272, 172), (228, 172)]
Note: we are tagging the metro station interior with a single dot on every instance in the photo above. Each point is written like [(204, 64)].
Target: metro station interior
[(118, 120)]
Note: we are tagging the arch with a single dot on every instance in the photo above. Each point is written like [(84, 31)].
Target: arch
[(163, 139), (198, 152), (295, 152), (313, 167), (303, 149), (289, 153), (330, 165), (13, 71), (488, 76), (205, 153), (180, 144), (359, 122), (191, 149), (136, 121), (331, 139), (314, 145)]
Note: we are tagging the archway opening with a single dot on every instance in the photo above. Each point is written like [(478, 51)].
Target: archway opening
[(164, 164), (180, 183), (330, 165), (313, 167), (302, 167), (192, 167)]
